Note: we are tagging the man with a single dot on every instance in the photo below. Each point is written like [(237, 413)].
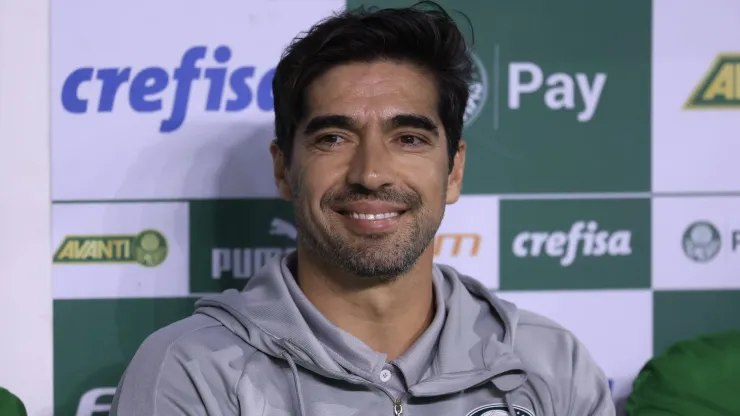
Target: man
[(359, 321), (10, 404), (694, 376)]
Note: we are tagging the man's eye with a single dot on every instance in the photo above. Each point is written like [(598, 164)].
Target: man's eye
[(411, 140), (330, 139)]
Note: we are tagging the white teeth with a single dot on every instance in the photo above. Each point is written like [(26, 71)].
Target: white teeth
[(384, 215)]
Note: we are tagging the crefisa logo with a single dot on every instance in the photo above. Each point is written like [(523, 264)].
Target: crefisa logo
[(584, 239), (154, 88)]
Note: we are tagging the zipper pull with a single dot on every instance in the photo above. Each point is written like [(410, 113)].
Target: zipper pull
[(398, 408)]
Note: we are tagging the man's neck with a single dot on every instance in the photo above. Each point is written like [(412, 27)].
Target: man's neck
[(388, 317)]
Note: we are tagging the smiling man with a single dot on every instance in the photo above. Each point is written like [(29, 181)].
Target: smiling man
[(359, 320)]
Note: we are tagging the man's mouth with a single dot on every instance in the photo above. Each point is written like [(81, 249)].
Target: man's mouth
[(371, 209), (379, 216)]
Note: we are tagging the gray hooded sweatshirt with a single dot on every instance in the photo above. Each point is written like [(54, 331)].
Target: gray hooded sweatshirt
[(268, 351)]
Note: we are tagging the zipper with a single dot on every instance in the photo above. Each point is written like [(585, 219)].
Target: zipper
[(397, 407), (397, 404)]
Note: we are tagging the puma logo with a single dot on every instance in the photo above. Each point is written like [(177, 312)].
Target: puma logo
[(284, 228)]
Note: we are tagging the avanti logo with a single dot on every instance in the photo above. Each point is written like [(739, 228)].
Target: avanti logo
[(144, 89), (243, 262), (148, 248), (720, 87), (583, 238), (562, 91)]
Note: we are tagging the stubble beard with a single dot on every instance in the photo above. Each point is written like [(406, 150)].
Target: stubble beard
[(376, 259)]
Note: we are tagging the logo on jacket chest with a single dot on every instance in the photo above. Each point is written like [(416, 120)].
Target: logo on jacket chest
[(499, 409)]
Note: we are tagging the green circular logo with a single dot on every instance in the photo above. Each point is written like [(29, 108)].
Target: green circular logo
[(478, 92), (701, 241), (499, 409), (150, 248)]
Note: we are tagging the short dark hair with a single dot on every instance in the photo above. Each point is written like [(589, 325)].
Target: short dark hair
[(425, 37)]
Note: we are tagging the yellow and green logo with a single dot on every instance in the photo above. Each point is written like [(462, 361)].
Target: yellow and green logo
[(148, 248), (720, 87)]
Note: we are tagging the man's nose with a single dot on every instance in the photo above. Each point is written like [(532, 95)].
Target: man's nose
[(372, 164)]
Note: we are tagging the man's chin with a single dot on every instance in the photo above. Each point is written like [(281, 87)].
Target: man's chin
[(374, 259), (374, 272), (377, 245)]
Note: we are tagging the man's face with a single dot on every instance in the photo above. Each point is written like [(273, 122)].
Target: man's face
[(369, 175)]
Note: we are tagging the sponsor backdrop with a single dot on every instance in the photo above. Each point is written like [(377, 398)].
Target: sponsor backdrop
[(602, 187)]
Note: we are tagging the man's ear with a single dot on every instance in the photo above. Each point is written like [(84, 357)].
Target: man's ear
[(280, 171), (455, 178)]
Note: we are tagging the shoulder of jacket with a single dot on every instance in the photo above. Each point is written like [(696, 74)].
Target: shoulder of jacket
[(195, 338), (544, 340), (536, 322), (178, 334)]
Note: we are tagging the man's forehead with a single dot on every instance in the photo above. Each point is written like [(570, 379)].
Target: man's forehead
[(372, 93)]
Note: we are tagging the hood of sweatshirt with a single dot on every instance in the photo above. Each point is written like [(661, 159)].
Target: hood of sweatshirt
[(474, 345)]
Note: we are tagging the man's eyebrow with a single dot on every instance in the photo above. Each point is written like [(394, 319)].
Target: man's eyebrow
[(327, 121), (416, 121)]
